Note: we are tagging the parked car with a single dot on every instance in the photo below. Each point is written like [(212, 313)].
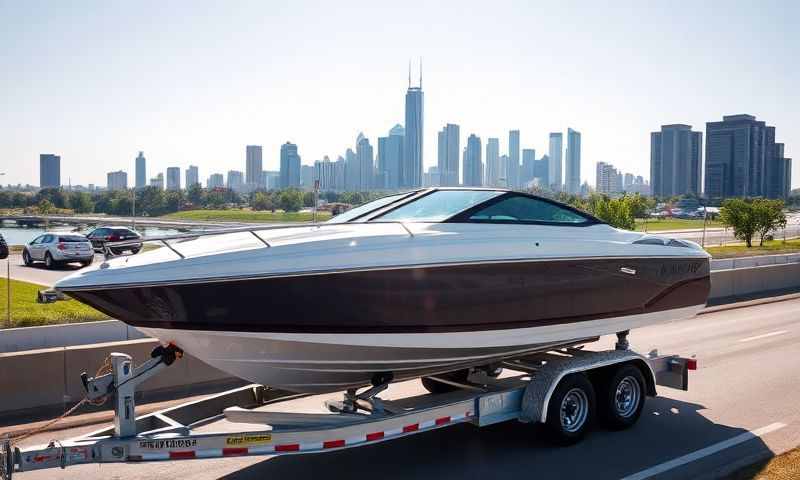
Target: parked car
[(3, 248), (102, 235), (58, 248)]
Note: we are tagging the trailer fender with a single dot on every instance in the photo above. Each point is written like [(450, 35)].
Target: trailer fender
[(537, 393)]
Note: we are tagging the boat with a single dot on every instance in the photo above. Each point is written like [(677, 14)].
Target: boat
[(410, 285)]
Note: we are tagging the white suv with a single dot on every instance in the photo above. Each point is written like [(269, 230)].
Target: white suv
[(56, 248)]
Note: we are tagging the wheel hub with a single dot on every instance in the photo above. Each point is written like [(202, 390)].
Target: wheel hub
[(574, 410), (627, 397)]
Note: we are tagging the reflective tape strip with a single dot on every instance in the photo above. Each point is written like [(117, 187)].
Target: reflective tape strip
[(411, 428), (442, 421), (234, 452), (292, 447), (182, 454), (296, 447)]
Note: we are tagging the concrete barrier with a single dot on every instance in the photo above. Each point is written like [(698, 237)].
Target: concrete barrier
[(49, 379), (757, 261), (51, 336), (741, 282)]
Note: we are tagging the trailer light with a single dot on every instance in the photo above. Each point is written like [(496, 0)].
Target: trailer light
[(691, 364)]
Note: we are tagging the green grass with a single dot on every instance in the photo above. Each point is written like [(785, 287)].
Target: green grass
[(246, 216), (770, 247), (655, 225), (25, 312)]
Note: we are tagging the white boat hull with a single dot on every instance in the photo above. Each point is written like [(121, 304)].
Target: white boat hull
[(333, 361)]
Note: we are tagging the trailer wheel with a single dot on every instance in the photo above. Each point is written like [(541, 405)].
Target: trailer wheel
[(434, 386), (571, 409), (621, 397)]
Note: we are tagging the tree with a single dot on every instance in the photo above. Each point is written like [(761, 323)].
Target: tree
[(617, 212), (769, 216), (308, 199), (261, 201), (45, 206), (291, 200), (196, 195), (739, 214), (82, 202)]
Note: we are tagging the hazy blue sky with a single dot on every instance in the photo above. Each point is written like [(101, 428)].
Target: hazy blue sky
[(193, 82)]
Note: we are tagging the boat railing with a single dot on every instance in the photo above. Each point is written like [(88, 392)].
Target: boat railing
[(165, 240)]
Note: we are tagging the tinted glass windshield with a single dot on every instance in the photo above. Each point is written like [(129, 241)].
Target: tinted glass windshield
[(367, 207), (526, 209), (438, 206)]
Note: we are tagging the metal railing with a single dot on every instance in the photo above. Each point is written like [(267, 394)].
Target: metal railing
[(165, 239)]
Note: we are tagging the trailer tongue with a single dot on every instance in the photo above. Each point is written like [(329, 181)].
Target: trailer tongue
[(562, 389)]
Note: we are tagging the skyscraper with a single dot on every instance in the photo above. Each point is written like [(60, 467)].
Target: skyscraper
[(526, 171), (366, 165), (675, 160), (743, 160), (173, 178), (192, 176), (352, 171), (541, 169), (554, 170), (215, 180), (290, 166), (493, 162), (307, 177), (141, 171), (117, 180), (49, 170), (448, 156), (573, 162), (512, 169), (235, 180), (158, 181), (412, 148), (253, 167), (473, 165), (607, 178), (390, 157)]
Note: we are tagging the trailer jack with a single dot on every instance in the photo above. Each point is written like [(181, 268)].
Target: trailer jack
[(121, 383)]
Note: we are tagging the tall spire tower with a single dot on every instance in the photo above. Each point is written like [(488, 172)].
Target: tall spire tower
[(411, 168)]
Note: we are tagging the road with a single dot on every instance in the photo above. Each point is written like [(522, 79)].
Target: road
[(749, 360), (719, 236), (38, 273)]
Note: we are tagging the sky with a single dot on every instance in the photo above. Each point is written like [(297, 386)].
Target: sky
[(194, 82)]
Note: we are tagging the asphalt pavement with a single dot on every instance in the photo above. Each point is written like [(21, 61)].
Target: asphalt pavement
[(741, 406), (38, 273)]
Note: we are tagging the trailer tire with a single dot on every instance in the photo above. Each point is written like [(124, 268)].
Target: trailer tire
[(434, 386), (570, 410), (621, 397)]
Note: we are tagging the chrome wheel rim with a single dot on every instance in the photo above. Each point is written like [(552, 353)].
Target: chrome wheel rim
[(627, 397), (574, 410), (48, 261)]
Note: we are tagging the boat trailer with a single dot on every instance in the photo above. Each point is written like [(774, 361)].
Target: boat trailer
[(254, 426)]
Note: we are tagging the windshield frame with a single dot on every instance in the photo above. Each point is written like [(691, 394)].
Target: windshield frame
[(424, 193), (401, 197), (464, 216)]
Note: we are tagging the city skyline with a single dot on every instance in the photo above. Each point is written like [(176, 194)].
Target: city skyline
[(181, 108)]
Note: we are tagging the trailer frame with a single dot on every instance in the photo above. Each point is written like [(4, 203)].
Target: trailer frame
[(177, 433)]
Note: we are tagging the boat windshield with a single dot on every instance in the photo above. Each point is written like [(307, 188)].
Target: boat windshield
[(366, 208), (438, 206)]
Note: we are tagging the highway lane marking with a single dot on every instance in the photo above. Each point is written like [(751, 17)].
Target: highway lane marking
[(766, 335), (704, 452)]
